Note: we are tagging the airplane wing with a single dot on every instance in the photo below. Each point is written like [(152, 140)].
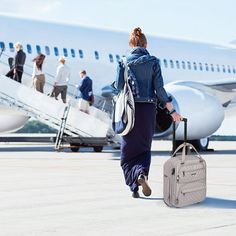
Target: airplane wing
[(223, 90)]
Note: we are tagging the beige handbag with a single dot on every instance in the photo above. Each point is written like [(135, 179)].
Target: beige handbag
[(184, 177)]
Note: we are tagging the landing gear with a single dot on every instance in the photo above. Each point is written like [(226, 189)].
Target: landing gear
[(74, 147), (201, 144), (98, 148)]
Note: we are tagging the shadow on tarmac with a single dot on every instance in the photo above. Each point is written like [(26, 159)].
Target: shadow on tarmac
[(151, 198), (208, 203), (219, 203)]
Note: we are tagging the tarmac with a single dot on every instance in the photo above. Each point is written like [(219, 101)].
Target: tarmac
[(47, 193)]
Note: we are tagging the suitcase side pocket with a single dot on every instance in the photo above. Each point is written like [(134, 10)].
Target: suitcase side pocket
[(167, 190)]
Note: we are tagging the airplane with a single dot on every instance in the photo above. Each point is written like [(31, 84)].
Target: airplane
[(200, 77)]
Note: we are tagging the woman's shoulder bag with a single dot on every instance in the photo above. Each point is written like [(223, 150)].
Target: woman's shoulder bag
[(124, 107)]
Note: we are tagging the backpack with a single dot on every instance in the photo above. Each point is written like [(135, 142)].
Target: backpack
[(124, 107)]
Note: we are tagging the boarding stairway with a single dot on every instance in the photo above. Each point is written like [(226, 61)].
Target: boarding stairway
[(77, 126), (50, 111)]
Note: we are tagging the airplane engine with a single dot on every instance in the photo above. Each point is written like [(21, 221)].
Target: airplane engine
[(204, 113), (11, 119)]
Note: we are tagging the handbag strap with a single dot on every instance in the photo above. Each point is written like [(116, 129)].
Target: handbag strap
[(184, 146), (124, 59)]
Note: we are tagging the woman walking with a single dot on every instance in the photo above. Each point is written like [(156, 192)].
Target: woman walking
[(38, 75), (136, 145)]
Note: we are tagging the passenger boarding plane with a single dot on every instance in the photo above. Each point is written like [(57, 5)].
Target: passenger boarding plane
[(201, 77)]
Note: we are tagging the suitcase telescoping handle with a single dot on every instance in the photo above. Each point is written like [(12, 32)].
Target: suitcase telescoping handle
[(174, 134)]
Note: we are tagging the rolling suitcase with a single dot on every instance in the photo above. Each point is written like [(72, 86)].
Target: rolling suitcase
[(184, 175)]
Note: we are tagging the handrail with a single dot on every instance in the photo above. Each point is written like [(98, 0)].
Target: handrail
[(28, 74), (32, 111), (31, 67), (99, 104)]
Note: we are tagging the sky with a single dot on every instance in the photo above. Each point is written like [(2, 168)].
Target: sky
[(203, 20)]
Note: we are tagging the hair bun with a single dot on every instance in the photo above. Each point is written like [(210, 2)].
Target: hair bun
[(137, 38), (137, 31)]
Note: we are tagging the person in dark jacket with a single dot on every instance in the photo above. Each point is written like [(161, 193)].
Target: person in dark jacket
[(86, 91), (18, 67), (136, 145)]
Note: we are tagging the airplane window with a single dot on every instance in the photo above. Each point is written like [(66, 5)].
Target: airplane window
[(38, 49), (29, 48), (200, 66), (96, 55), (229, 70), (207, 68), (111, 58), (234, 71), (117, 57), (218, 68), (11, 46), (223, 68), (183, 65), (65, 52), (56, 51), (72, 52), (195, 66), (171, 64), (165, 63), (212, 68), (81, 54), (189, 65), (177, 64), (2, 46), (47, 50)]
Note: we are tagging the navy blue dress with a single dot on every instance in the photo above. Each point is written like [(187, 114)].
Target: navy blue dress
[(136, 145)]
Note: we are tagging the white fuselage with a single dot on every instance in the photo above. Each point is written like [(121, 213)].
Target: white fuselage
[(180, 59)]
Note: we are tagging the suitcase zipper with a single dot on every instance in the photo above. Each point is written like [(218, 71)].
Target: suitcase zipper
[(192, 190)]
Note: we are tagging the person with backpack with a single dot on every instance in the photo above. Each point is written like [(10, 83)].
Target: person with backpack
[(147, 86)]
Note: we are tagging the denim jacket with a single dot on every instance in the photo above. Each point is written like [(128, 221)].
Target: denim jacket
[(147, 72)]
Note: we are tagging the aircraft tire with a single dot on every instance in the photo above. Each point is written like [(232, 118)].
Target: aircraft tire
[(201, 144), (98, 148), (74, 147)]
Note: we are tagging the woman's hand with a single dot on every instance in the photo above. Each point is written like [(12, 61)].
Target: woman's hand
[(176, 116)]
